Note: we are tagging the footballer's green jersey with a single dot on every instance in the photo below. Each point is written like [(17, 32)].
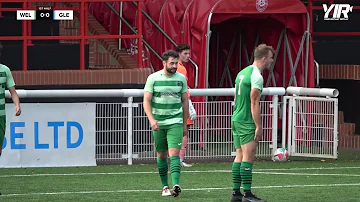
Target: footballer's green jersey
[(6, 81), (247, 79), (166, 100)]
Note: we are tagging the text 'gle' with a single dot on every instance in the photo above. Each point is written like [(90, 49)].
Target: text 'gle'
[(63, 15)]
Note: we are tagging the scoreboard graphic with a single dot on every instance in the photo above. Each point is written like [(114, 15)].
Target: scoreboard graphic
[(44, 13)]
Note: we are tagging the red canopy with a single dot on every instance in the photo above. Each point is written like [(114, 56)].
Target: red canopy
[(205, 23)]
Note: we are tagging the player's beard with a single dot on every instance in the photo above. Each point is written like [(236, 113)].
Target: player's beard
[(268, 66), (171, 70)]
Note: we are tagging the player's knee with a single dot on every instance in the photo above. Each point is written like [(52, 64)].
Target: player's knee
[(248, 151), (239, 155), (174, 152), (239, 152), (162, 155)]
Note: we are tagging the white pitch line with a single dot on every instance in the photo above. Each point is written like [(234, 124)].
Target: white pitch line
[(308, 174), (313, 168), (183, 171), (198, 189)]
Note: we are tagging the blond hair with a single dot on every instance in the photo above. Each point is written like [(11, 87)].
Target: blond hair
[(262, 50)]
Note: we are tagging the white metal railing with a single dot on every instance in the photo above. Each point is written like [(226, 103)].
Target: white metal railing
[(123, 132), (312, 123), (209, 137)]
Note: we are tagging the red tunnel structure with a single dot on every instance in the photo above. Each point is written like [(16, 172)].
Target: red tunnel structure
[(222, 35)]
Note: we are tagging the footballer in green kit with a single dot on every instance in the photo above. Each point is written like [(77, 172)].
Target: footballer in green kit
[(167, 108), (246, 122), (6, 82)]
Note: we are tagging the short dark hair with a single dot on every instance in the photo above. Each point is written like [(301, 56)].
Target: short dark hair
[(181, 47), (262, 50), (168, 54)]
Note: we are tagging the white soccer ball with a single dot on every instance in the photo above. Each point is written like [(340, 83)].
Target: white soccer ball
[(281, 155)]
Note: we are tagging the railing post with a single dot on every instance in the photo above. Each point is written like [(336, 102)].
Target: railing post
[(130, 129), (336, 122), (290, 124), (24, 42), (86, 21), (284, 121), (292, 119), (120, 23), (82, 30), (274, 106), (29, 27), (140, 48)]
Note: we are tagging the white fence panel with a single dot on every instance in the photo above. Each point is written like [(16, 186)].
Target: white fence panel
[(209, 137), (111, 131), (312, 126)]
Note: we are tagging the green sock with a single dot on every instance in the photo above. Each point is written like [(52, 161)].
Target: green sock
[(246, 175), (236, 177), (163, 170), (175, 169)]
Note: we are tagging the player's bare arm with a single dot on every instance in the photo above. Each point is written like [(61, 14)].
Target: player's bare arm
[(16, 100), (185, 108), (148, 110), (255, 95)]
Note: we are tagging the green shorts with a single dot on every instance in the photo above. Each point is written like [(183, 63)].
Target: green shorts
[(168, 137), (2, 130), (242, 133)]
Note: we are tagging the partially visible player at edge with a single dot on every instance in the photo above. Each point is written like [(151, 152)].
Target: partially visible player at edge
[(184, 56), (167, 108), (246, 122), (7, 82)]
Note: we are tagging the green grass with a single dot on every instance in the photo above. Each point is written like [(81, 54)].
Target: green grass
[(130, 183)]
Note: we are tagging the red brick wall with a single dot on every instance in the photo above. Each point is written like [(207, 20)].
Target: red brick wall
[(110, 45), (340, 72), (346, 131), (328, 121), (96, 59), (92, 49), (56, 77), (349, 142), (346, 134), (69, 28)]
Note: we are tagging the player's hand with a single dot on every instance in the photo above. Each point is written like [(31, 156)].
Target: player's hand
[(154, 124), (258, 134), (192, 111), (17, 110), (185, 130)]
